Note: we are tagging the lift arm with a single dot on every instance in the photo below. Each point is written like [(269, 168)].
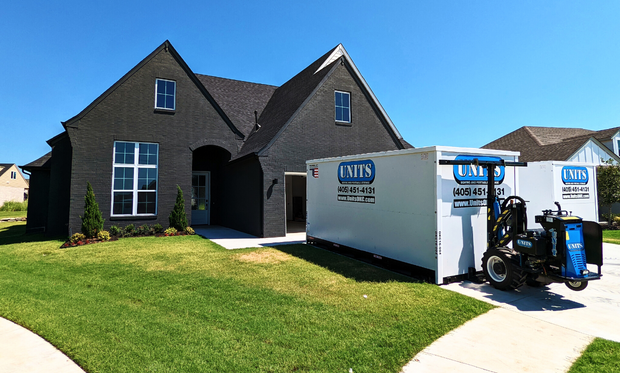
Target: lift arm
[(490, 168)]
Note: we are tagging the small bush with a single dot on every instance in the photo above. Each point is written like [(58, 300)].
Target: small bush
[(115, 231), (12, 206), (92, 222), (143, 230), (77, 237), (190, 230), (170, 231), (178, 218), (103, 235), (157, 228), (129, 230), (617, 219)]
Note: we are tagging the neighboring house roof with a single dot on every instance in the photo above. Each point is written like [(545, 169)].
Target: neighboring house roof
[(4, 167), (41, 163), (239, 99), (552, 143)]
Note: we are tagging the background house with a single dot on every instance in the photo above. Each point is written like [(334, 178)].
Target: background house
[(561, 144), (564, 144), (237, 149), (13, 185)]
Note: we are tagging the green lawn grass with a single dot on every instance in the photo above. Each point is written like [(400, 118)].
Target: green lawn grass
[(610, 236), (184, 304), (600, 356), (13, 214)]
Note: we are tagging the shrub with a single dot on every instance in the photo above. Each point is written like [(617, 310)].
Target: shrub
[(12, 206), (129, 230), (178, 218), (170, 231), (190, 230), (143, 230), (92, 222), (77, 237), (103, 235), (115, 231), (157, 228)]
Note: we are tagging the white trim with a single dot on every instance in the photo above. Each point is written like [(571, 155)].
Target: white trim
[(295, 174), (341, 52), (599, 145), (135, 166), (174, 101), (350, 104)]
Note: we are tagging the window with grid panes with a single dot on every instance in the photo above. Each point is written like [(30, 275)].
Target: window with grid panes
[(134, 180)]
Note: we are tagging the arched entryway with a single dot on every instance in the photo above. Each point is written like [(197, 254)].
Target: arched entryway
[(208, 184)]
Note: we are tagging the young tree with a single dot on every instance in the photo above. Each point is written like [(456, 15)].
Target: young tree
[(92, 222), (608, 179), (177, 218)]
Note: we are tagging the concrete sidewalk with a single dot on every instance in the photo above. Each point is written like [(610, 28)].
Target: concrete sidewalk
[(533, 330), (232, 239), (22, 351)]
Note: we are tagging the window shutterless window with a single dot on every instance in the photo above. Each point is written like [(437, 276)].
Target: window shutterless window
[(13, 175), (134, 179), (165, 94), (343, 107)]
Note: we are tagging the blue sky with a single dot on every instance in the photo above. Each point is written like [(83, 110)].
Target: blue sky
[(457, 73)]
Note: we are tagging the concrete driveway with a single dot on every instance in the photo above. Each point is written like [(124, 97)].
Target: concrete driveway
[(594, 311), (533, 330)]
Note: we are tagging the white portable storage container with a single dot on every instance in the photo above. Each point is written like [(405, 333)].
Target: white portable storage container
[(571, 184), (402, 205)]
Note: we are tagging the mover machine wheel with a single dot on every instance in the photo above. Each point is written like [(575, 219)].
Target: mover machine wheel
[(501, 272), (577, 285)]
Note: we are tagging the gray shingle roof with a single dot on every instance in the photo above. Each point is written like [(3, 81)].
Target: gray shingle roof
[(548, 143), (43, 162), (238, 99), (285, 102)]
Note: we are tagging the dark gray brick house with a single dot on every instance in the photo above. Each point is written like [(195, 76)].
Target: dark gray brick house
[(236, 149)]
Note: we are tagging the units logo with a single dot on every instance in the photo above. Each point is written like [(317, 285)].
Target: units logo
[(471, 174), (356, 172), (524, 243), (572, 175)]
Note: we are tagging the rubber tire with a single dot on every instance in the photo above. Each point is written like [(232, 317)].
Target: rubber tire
[(582, 285), (501, 270)]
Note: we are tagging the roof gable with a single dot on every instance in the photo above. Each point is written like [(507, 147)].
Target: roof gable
[(165, 47), (290, 98), (5, 168)]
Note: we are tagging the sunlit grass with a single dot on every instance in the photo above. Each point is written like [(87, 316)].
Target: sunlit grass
[(601, 356), (185, 304), (611, 236), (13, 214)]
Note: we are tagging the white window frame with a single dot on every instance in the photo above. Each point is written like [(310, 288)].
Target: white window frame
[(136, 167), (174, 100), (350, 111)]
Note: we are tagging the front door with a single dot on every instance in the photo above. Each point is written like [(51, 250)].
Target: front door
[(201, 193)]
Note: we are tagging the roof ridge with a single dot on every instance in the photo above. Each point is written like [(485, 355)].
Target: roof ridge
[(237, 80), (532, 135)]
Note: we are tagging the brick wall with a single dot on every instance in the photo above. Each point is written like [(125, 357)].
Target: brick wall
[(127, 114)]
